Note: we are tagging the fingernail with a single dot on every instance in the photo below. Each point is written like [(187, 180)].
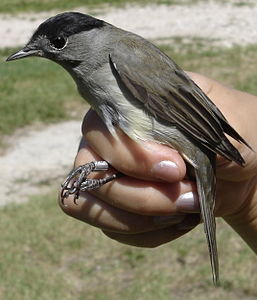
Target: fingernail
[(188, 202), (168, 220), (166, 170)]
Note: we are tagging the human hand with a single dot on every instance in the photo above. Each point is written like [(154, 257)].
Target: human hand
[(147, 207)]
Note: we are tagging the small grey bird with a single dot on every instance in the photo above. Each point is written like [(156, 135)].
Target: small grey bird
[(132, 85)]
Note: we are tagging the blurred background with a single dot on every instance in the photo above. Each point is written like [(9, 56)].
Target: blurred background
[(46, 255)]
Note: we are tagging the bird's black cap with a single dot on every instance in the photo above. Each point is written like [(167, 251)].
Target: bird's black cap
[(66, 24)]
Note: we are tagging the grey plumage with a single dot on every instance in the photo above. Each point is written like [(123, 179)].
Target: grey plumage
[(136, 87)]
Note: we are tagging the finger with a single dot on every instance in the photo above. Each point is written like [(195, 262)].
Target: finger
[(143, 196), (149, 198), (142, 160), (157, 237), (95, 212)]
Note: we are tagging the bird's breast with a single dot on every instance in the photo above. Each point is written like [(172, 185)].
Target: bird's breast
[(117, 108)]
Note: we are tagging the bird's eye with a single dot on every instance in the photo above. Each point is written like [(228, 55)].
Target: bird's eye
[(58, 43)]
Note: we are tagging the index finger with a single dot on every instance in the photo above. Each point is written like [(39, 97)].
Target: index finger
[(144, 160)]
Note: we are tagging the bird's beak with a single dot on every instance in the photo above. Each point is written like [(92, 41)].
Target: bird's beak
[(25, 52)]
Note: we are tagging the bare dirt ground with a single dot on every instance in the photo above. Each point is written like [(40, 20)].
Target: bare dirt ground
[(39, 158)]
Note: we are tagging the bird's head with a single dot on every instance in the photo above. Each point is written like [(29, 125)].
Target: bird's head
[(59, 38)]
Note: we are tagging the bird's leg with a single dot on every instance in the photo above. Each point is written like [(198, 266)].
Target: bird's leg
[(77, 180)]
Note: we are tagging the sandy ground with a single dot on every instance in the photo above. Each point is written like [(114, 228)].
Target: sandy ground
[(37, 160), (40, 158)]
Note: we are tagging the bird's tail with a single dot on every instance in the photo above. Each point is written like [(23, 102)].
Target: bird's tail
[(206, 187)]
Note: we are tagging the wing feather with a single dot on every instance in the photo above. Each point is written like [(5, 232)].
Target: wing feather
[(170, 95)]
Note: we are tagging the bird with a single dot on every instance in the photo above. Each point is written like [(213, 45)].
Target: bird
[(134, 86)]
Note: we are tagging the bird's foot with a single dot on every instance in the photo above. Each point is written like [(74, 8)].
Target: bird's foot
[(77, 180)]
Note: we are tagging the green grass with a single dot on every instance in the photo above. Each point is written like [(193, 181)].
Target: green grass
[(14, 6), (34, 90), (47, 255)]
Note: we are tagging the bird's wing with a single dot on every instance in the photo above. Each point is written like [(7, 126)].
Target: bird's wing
[(168, 94)]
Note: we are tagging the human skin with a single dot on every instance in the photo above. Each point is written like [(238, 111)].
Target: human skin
[(156, 203)]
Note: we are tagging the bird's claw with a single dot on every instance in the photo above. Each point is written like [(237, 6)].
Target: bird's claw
[(77, 180)]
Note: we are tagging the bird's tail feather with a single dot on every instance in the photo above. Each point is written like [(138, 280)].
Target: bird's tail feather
[(206, 186)]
